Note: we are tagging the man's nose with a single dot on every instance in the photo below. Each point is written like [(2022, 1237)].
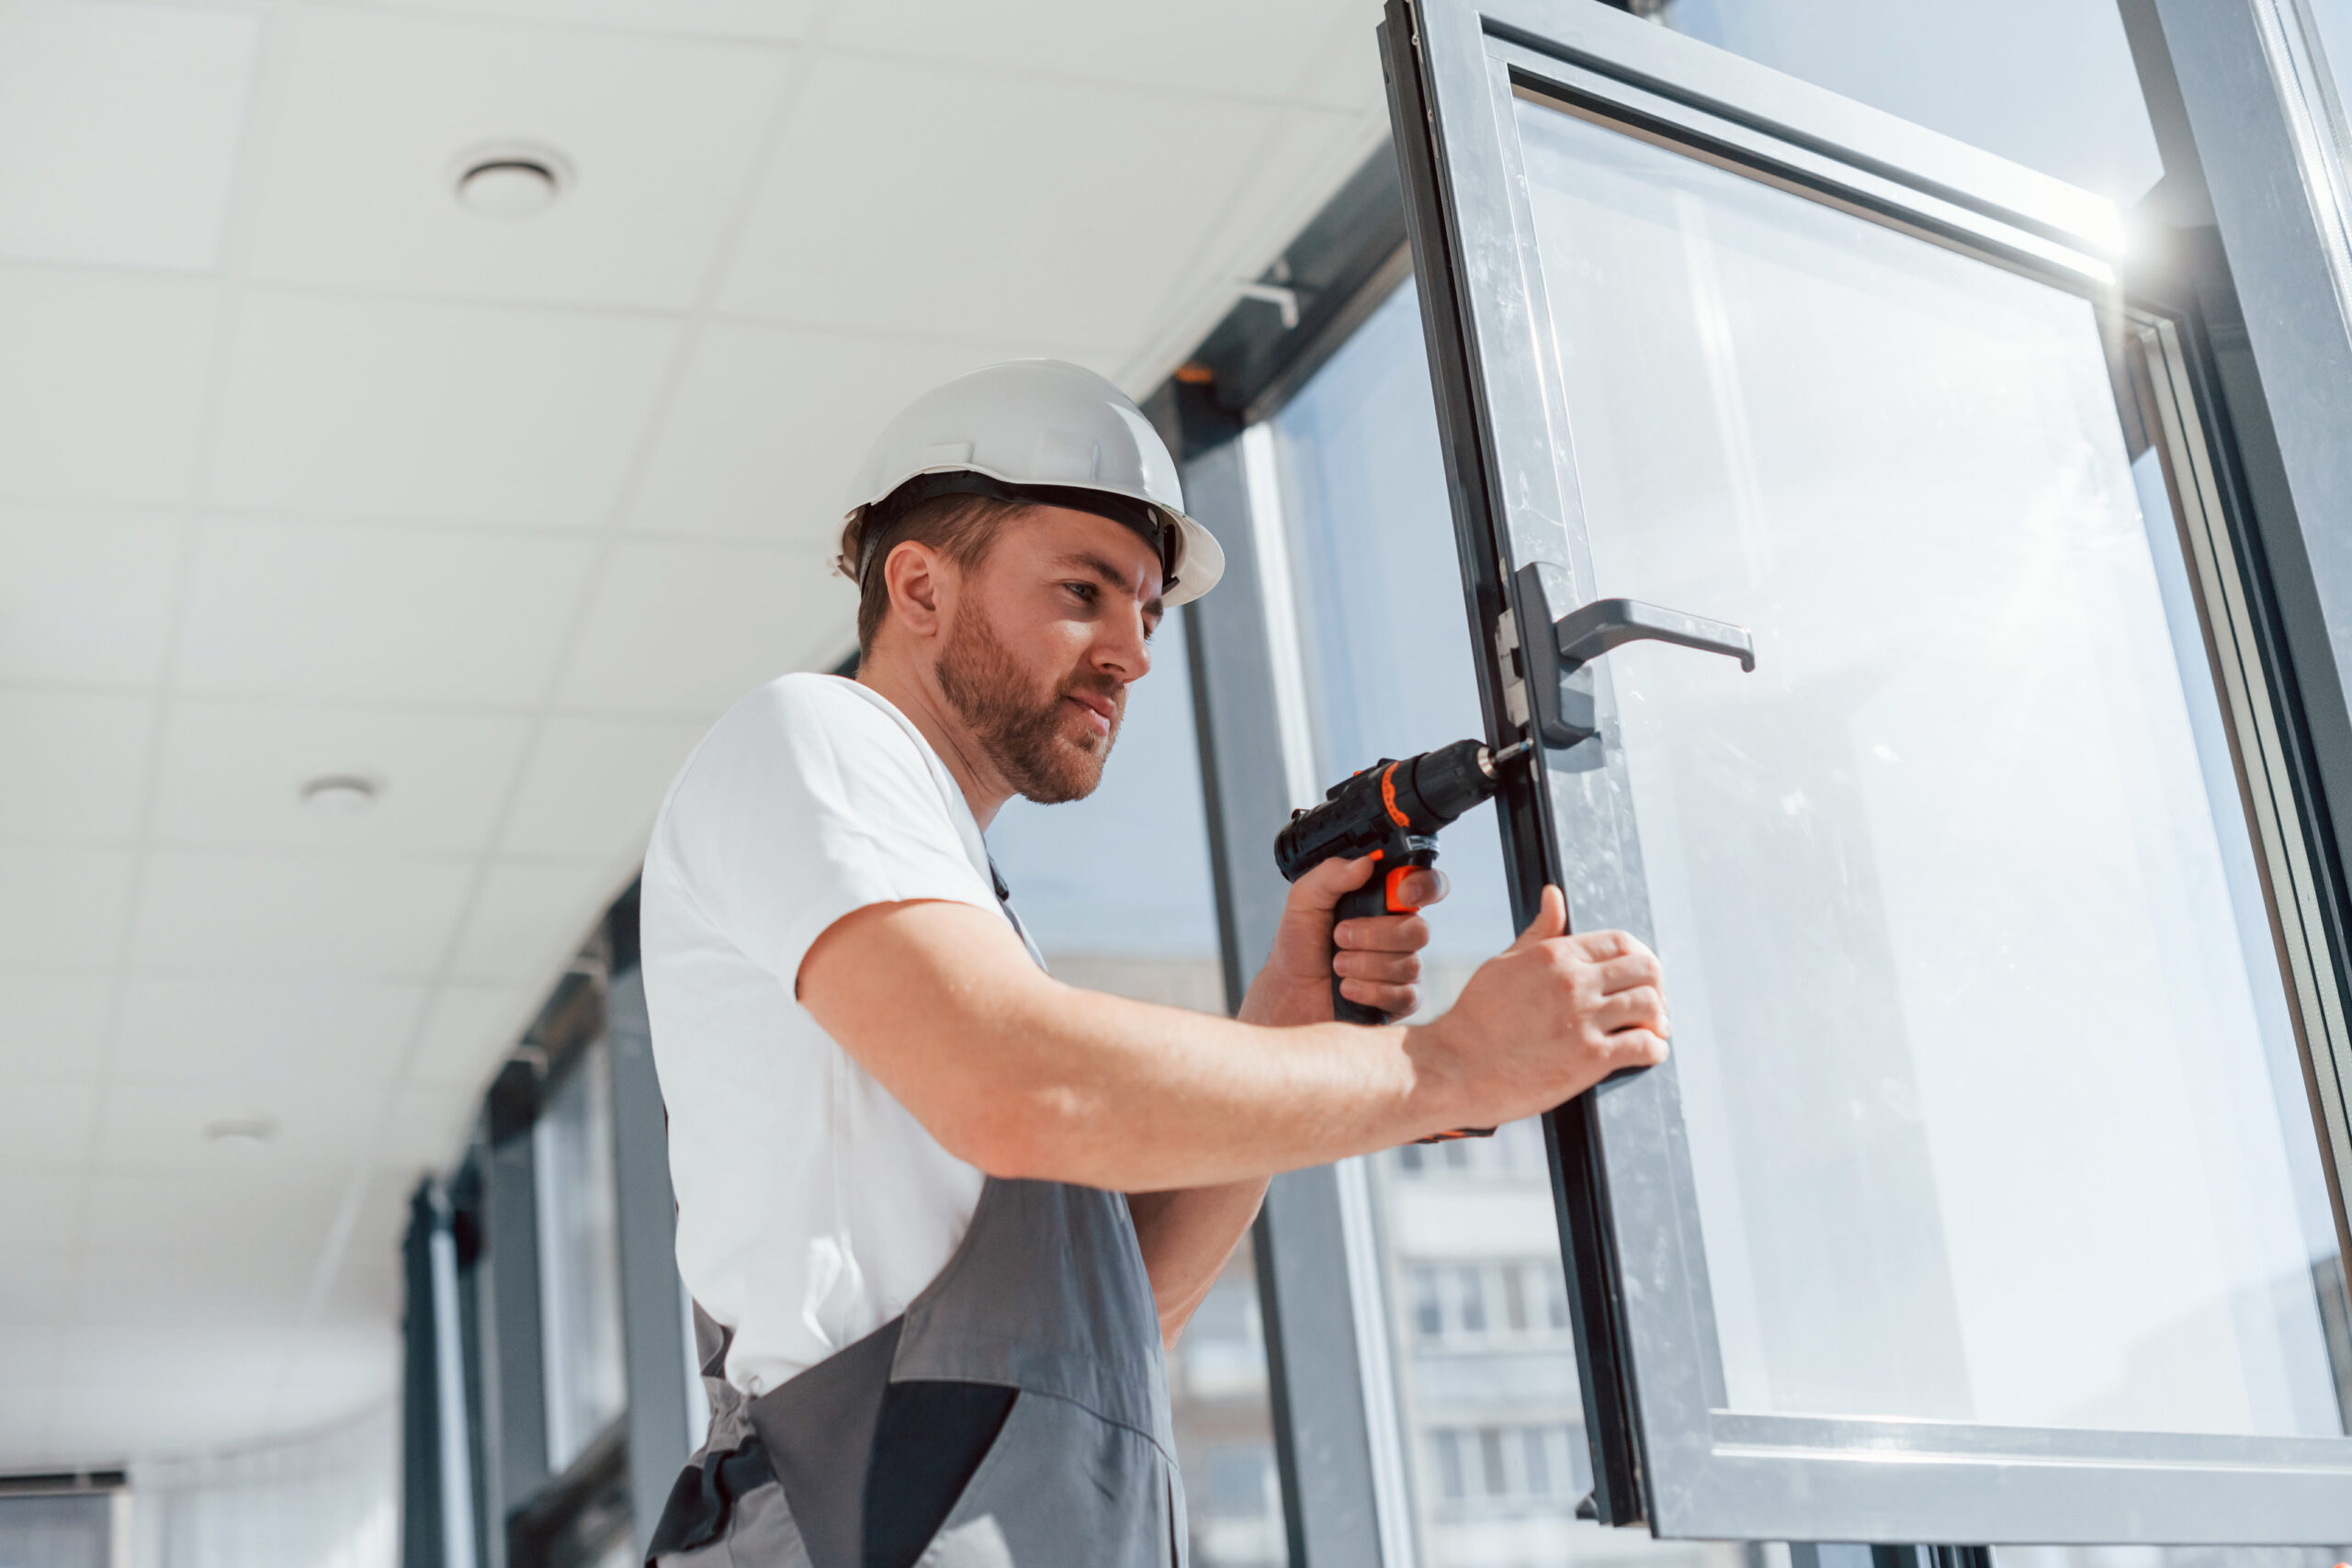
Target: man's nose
[(1123, 650)]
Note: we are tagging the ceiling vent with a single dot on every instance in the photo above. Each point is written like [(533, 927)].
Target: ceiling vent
[(341, 794), (511, 179), (240, 1131)]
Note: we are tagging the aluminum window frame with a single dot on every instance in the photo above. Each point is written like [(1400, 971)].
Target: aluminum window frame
[(1667, 1454)]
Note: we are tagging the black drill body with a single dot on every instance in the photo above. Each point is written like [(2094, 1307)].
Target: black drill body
[(1394, 809)]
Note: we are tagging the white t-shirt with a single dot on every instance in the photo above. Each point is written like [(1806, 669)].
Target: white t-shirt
[(812, 1207)]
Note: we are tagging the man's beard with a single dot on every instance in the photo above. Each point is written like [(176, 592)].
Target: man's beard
[(1022, 734)]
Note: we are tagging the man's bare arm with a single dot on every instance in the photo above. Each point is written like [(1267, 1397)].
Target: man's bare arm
[(1186, 1237), (1025, 1077)]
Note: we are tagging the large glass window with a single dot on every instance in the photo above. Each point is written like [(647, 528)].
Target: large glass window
[(1985, 1140), (579, 1301), (1993, 1103), (1115, 889), (1470, 1251)]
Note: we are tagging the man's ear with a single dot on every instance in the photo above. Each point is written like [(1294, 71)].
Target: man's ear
[(915, 575)]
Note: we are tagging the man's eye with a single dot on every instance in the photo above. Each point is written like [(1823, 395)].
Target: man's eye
[(1085, 591)]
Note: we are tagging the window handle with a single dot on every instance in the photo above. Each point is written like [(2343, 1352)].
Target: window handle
[(1556, 659)]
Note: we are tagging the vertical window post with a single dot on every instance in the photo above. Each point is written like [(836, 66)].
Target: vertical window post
[(1342, 1502)]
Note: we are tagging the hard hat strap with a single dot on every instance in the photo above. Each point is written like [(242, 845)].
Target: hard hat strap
[(1146, 521)]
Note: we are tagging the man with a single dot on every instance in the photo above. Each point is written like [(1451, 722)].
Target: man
[(940, 1213)]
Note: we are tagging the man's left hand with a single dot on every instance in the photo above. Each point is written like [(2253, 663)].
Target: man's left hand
[(1377, 957)]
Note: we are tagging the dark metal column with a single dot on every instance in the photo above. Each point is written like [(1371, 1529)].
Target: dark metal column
[(1322, 1434), (421, 1520), (517, 1391)]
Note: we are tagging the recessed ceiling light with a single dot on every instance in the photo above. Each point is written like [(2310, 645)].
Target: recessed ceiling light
[(341, 794), (511, 179), (243, 1132)]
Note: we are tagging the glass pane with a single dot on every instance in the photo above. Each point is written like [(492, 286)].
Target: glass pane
[(579, 1273), (1476, 1301), (2049, 83), (1152, 934), (57, 1532), (1994, 1110)]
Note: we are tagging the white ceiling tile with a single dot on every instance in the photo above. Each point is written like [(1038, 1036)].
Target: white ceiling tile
[(769, 424), (46, 1126), (118, 130), (594, 786), (287, 1027), (379, 408), (1239, 47), (529, 920), (367, 1290), (65, 907), (102, 384), (199, 1291), (687, 628), (193, 1388), (770, 19), (955, 203), (85, 597), (36, 1286), (246, 1211), (55, 1026), (470, 1029), (335, 1373), (92, 1424), (28, 1354), (319, 1122), (428, 1128), (37, 1211), (207, 912), (140, 1290), (381, 109), (73, 764), (367, 612), (232, 773), (24, 1430), (1347, 73)]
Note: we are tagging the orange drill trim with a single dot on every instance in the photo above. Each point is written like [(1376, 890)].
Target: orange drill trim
[(1395, 898), (1388, 796)]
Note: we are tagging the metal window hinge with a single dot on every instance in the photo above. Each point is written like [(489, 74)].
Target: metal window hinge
[(1507, 659)]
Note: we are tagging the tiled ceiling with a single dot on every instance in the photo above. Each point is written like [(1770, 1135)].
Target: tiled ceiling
[(305, 469)]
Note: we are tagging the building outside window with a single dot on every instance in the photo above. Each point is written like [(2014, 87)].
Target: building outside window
[(1115, 890)]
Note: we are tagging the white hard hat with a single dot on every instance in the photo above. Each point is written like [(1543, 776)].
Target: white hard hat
[(1035, 429)]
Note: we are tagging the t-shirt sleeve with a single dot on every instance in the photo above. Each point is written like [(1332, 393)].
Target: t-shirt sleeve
[(805, 803)]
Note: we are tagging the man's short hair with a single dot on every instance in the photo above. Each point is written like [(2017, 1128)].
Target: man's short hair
[(960, 527)]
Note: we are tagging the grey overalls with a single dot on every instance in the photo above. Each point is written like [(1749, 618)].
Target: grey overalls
[(1043, 1321)]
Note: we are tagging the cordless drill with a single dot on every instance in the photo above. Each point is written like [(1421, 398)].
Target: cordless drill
[(1391, 810)]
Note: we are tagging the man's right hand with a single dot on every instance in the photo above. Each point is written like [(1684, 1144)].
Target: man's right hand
[(1543, 1021)]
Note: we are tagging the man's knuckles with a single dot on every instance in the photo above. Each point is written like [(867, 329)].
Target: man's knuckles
[(1396, 969), (1385, 933)]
